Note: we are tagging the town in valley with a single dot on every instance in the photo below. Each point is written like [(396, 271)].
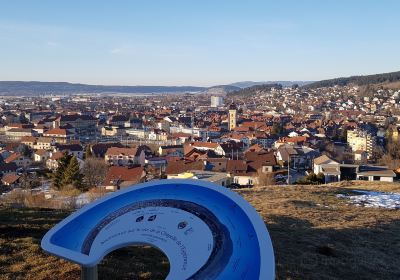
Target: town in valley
[(268, 134)]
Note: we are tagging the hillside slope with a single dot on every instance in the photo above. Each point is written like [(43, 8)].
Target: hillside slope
[(254, 90), (315, 235), (357, 80)]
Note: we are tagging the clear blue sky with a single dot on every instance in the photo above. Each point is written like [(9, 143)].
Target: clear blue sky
[(205, 42)]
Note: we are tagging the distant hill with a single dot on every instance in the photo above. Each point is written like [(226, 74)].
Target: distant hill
[(246, 84), (221, 89), (253, 90), (37, 88), (357, 80)]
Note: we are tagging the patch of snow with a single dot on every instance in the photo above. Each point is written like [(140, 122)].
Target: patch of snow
[(82, 200), (374, 199)]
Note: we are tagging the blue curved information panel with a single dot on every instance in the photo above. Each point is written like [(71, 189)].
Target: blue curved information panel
[(205, 230)]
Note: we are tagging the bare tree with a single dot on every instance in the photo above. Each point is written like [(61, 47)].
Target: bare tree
[(264, 179), (29, 181), (94, 171), (391, 157)]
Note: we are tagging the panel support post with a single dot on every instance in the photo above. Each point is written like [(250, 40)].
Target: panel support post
[(89, 272)]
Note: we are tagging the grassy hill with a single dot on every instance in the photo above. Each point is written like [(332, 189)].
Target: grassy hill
[(315, 234)]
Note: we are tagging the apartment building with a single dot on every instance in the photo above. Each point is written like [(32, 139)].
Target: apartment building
[(360, 140)]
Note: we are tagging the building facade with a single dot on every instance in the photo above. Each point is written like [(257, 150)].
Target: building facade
[(232, 117), (217, 101), (361, 141)]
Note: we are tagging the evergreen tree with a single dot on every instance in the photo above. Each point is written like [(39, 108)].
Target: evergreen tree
[(277, 129), (88, 152), (72, 174), (26, 151), (343, 135), (63, 163)]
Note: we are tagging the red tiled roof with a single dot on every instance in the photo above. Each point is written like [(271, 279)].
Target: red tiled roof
[(10, 178), (181, 134), (41, 152), (12, 157), (177, 167), (261, 158), (44, 140), (233, 166), (28, 139), (115, 151), (209, 145), (57, 131), (56, 155), (121, 173)]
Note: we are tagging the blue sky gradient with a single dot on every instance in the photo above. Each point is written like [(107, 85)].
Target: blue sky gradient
[(202, 43)]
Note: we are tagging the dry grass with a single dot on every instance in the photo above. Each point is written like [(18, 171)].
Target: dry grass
[(315, 236), (22, 258), (319, 236)]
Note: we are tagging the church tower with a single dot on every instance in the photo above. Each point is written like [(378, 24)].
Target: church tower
[(232, 116)]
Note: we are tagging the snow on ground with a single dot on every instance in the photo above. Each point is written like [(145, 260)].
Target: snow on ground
[(374, 199), (83, 199)]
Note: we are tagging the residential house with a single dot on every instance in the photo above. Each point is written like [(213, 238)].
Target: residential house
[(181, 166), (117, 120), (72, 149), (59, 135), (115, 131), (85, 125), (41, 156), (328, 167), (99, 149), (44, 143), (301, 158), (238, 170), (29, 141), (16, 134), (121, 176), (216, 164), (171, 150), (216, 147), (10, 180), (6, 168), (125, 156), (19, 159), (375, 173)]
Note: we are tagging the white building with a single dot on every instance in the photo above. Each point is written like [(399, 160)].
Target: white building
[(125, 156), (217, 101)]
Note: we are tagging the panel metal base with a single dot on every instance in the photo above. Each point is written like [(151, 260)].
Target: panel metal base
[(89, 273)]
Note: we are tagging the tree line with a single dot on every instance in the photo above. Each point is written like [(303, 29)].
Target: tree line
[(356, 80)]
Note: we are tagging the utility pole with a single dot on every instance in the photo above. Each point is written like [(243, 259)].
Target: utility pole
[(288, 170)]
